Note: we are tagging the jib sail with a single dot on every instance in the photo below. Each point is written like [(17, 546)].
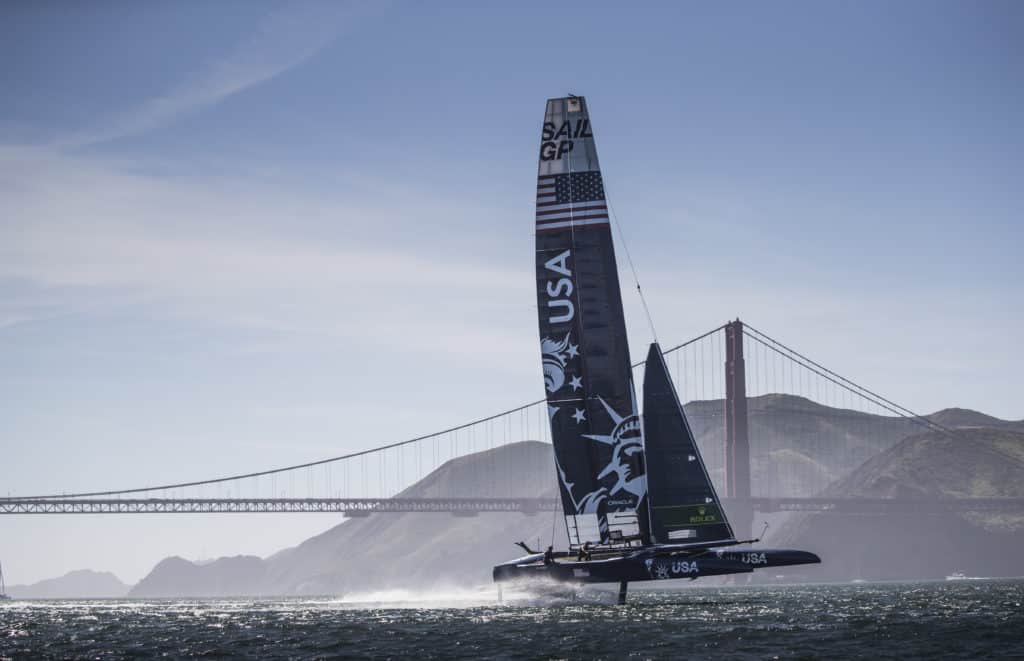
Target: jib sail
[(592, 407), (684, 507)]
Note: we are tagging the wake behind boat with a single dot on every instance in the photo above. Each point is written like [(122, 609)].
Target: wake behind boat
[(637, 499)]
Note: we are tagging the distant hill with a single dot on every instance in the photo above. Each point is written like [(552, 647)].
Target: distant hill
[(80, 584), (799, 447), (970, 462), (963, 418), (975, 462), (424, 551), (177, 577), (413, 551), (862, 453)]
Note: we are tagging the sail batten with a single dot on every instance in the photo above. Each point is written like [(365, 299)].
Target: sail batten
[(592, 406), (684, 507)]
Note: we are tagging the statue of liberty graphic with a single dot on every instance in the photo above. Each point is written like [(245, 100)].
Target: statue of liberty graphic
[(626, 465)]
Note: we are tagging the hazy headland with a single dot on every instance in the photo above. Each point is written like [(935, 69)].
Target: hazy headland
[(862, 455)]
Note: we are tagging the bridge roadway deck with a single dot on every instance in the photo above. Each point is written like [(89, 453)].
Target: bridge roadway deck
[(355, 507)]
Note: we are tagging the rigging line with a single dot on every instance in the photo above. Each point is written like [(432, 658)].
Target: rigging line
[(855, 385), (362, 453), (584, 367), (632, 266), (554, 525), (625, 248)]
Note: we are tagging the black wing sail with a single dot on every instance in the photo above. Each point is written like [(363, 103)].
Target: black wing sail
[(684, 507), (595, 428)]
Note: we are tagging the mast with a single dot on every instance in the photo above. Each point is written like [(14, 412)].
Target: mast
[(595, 429)]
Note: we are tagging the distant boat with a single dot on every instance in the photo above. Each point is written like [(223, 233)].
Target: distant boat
[(960, 576), (636, 497), (3, 589)]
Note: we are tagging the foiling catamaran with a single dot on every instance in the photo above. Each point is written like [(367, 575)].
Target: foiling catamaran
[(637, 499)]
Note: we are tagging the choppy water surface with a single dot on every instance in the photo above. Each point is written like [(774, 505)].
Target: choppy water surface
[(957, 619)]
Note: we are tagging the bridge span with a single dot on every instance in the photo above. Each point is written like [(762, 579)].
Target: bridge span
[(359, 507), (775, 428)]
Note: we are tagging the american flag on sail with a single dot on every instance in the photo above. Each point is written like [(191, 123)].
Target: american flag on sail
[(570, 201)]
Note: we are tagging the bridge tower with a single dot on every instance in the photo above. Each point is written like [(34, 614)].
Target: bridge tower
[(737, 445)]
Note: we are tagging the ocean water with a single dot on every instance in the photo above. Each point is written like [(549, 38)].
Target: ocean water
[(971, 619)]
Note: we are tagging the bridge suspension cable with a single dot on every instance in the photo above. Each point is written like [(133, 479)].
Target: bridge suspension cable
[(320, 462), (796, 459), (330, 460), (841, 381)]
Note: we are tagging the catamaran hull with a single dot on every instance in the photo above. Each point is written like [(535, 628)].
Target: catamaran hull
[(650, 566)]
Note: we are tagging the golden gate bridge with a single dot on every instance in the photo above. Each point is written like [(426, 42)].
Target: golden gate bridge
[(776, 429)]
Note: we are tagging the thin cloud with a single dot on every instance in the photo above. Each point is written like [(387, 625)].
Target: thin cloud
[(83, 236), (285, 38)]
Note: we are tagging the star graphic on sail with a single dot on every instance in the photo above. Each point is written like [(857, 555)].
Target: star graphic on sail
[(575, 383), (579, 416), (555, 355)]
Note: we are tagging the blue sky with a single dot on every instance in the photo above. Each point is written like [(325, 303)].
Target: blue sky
[(240, 235)]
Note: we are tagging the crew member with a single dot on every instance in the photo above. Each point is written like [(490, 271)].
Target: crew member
[(549, 555)]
